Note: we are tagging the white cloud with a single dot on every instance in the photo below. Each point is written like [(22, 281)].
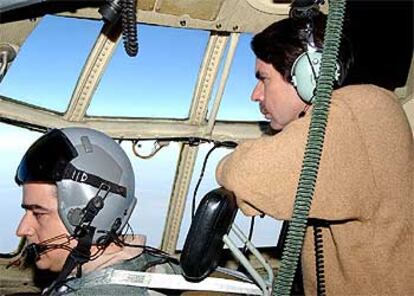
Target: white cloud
[(16, 141)]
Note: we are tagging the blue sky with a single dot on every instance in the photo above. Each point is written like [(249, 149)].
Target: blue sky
[(157, 83)]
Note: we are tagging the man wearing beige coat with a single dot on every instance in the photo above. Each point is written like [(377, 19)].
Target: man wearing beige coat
[(364, 192)]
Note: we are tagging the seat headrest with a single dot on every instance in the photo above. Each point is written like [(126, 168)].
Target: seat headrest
[(204, 242)]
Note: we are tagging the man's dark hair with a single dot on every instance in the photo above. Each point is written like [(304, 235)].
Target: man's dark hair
[(283, 41)]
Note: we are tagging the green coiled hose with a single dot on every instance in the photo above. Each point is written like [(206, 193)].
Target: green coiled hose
[(313, 150)]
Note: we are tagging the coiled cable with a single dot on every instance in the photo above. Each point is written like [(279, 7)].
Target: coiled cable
[(313, 150), (319, 257), (129, 27)]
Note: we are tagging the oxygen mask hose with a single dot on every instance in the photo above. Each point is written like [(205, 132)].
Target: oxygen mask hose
[(313, 150)]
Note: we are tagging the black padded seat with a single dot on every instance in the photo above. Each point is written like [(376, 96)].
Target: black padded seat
[(204, 243)]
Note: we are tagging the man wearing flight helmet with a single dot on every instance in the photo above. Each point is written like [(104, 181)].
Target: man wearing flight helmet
[(363, 196), (78, 194)]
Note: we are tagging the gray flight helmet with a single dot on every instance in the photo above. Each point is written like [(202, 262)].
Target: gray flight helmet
[(85, 165)]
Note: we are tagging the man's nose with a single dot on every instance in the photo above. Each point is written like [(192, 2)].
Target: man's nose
[(25, 227), (257, 93)]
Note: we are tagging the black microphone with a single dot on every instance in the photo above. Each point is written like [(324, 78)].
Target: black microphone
[(302, 114), (32, 253)]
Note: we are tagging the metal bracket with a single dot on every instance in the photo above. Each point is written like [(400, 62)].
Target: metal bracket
[(7, 55), (158, 145)]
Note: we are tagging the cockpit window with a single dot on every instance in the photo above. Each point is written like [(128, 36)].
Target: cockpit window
[(154, 180), (236, 103), (158, 82), (266, 230), (47, 67), (14, 143)]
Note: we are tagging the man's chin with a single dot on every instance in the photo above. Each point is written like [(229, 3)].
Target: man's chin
[(42, 264), (275, 126)]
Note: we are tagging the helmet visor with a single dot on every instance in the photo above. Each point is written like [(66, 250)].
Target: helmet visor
[(46, 159)]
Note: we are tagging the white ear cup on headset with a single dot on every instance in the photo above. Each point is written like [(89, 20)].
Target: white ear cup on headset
[(305, 72)]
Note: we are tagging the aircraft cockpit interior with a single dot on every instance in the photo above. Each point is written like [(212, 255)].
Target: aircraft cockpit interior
[(172, 82)]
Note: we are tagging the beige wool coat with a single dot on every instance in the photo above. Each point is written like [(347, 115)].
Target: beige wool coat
[(364, 191)]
